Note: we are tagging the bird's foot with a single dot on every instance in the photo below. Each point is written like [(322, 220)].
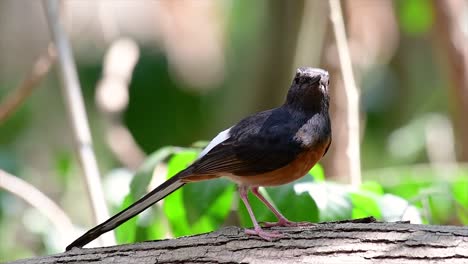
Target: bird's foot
[(270, 235), (286, 223)]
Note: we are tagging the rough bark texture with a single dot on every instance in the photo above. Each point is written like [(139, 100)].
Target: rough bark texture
[(340, 242)]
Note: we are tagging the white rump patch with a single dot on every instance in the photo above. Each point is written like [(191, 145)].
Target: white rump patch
[(221, 137)]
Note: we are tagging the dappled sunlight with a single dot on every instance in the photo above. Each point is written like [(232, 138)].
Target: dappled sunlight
[(129, 93)]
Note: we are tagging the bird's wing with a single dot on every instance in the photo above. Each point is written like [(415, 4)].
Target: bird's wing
[(245, 160), (256, 145)]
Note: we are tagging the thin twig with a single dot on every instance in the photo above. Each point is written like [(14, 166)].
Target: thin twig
[(40, 201), (352, 93), (39, 70), (77, 114)]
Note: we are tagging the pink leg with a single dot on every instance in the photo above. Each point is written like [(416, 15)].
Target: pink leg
[(282, 221), (243, 191)]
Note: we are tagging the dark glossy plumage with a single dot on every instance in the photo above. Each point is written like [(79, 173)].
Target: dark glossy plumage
[(269, 140)]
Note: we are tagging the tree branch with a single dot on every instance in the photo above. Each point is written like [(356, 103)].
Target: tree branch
[(40, 69), (341, 242), (40, 201)]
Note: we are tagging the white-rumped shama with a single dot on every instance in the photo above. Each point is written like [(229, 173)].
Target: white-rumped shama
[(269, 148)]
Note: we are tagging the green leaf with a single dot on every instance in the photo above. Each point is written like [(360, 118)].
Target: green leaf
[(131, 231), (152, 225), (441, 209), (373, 187), (217, 213), (331, 199), (126, 233), (366, 200), (460, 190), (294, 206), (416, 16), (460, 195), (173, 205), (142, 178), (462, 214), (180, 161), (441, 203), (317, 172), (200, 197), (408, 189), (365, 204), (197, 207)]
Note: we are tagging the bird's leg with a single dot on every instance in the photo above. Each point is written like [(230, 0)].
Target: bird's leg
[(282, 221), (257, 230)]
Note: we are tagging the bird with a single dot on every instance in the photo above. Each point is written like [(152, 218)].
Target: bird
[(269, 148)]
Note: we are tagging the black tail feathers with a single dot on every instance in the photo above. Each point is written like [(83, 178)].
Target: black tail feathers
[(146, 201)]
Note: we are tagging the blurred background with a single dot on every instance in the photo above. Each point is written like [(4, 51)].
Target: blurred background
[(173, 73)]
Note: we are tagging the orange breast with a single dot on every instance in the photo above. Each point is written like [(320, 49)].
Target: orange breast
[(291, 172)]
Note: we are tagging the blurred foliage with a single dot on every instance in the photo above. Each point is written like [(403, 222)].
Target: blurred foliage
[(415, 16), (165, 103), (398, 100), (206, 206)]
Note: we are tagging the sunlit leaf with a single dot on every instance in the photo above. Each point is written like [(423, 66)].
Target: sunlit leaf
[(416, 16), (200, 197), (441, 208), (460, 190), (126, 232), (294, 206), (217, 213), (440, 203), (408, 189), (462, 214), (152, 225), (142, 178), (460, 195), (365, 204), (317, 172), (372, 186), (148, 225), (331, 199), (173, 205)]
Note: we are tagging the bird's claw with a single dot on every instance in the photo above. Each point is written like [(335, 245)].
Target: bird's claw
[(270, 235), (286, 223)]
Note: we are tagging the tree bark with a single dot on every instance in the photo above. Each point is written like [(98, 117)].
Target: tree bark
[(338, 242)]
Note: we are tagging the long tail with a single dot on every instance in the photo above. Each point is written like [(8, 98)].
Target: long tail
[(146, 201)]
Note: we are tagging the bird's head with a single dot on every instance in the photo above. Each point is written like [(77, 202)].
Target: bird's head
[(309, 89)]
